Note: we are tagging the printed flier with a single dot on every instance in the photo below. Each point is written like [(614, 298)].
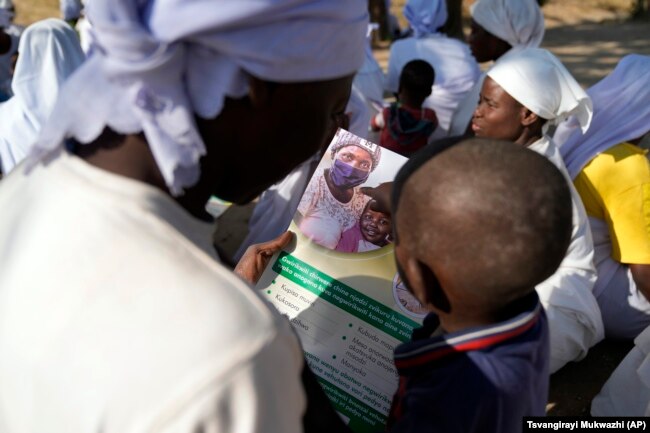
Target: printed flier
[(339, 285)]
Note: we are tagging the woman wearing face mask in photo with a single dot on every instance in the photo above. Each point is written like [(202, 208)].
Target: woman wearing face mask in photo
[(333, 202)]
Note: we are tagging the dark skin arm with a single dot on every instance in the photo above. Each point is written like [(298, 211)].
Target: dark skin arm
[(257, 257), (641, 276)]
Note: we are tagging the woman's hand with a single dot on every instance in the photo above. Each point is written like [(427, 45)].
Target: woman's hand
[(257, 257)]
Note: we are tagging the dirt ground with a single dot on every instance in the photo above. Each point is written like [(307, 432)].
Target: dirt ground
[(589, 36)]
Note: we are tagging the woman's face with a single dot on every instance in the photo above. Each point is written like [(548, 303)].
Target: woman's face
[(498, 115), (484, 45), (375, 226), (356, 157)]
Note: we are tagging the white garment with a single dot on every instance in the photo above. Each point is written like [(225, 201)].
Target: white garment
[(621, 113), (323, 217), (160, 62), (425, 17), (49, 53), (116, 317), (518, 22), (574, 321), (540, 82), (627, 391), (455, 68)]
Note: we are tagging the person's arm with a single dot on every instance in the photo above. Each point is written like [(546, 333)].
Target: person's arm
[(257, 257), (641, 276)]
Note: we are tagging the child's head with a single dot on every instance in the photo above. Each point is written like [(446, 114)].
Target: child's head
[(478, 226), (415, 82), (375, 226)]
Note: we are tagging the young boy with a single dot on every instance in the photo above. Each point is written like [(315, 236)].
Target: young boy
[(405, 125), (477, 227), (371, 232)]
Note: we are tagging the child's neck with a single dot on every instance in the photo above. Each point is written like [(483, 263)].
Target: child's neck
[(458, 319), (410, 102)]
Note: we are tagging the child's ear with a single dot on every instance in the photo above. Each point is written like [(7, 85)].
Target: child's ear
[(424, 284), (528, 117)]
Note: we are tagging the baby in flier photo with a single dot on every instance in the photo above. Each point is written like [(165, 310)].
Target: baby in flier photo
[(371, 232)]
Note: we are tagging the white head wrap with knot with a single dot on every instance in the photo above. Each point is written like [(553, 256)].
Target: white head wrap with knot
[(49, 53), (621, 113), (158, 63), (541, 83), (425, 16), (518, 22)]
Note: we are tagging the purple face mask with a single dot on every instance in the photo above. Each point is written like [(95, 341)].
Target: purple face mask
[(345, 176)]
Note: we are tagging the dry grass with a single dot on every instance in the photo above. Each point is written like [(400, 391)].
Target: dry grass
[(28, 11)]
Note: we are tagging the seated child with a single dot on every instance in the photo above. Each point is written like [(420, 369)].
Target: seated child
[(371, 232), (405, 125), (476, 228)]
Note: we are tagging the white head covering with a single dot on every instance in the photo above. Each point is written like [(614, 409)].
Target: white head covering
[(158, 63), (70, 9), (518, 22), (541, 83), (425, 16), (49, 52), (621, 112)]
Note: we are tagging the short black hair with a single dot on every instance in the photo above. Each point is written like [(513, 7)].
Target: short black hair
[(417, 78)]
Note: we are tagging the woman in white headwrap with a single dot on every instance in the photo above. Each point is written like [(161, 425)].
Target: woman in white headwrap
[(456, 70), (522, 95), (612, 175), (116, 313), (49, 53), (499, 27)]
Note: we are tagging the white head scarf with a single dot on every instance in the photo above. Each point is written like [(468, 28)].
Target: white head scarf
[(518, 22), (425, 16), (49, 52), (70, 9), (541, 83), (621, 112), (158, 63)]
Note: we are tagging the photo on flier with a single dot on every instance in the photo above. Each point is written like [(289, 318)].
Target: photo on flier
[(339, 286)]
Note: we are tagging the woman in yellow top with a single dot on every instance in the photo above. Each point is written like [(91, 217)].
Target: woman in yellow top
[(612, 176)]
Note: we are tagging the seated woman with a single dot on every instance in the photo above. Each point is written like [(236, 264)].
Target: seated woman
[(612, 176), (333, 201), (522, 94), (371, 232), (49, 52)]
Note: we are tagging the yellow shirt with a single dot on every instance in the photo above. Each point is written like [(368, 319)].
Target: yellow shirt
[(615, 187)]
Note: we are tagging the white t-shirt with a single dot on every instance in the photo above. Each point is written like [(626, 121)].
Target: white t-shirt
[(115, 315), (455, 68), (568, 293)]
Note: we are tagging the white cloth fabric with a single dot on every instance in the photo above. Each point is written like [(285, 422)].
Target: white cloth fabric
[(116, 317), (541, 83), (627, 391), (621, 113), (625, 310), (49, 54), (575, 321), (518, 22), (70, 9), (6, 17), (6, 4), (157, 64), (455, 68), (425, 17)]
